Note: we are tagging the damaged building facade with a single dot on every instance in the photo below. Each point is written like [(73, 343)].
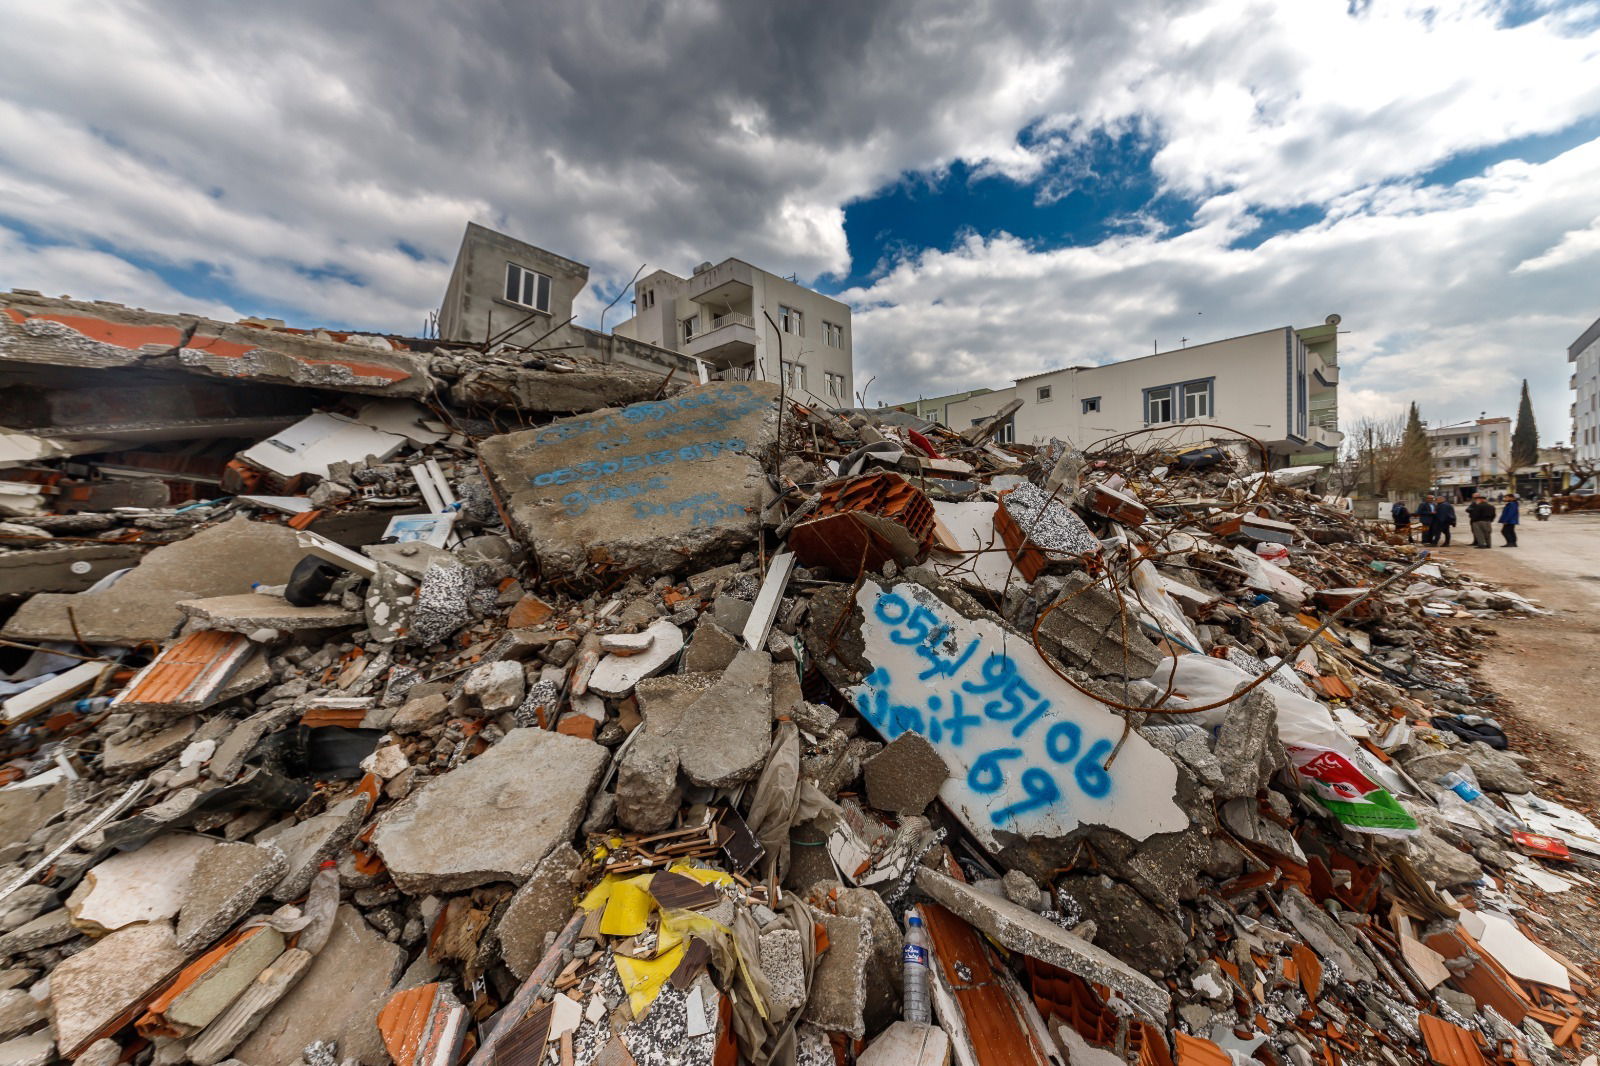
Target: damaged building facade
[(501, 704), (1279, 386)]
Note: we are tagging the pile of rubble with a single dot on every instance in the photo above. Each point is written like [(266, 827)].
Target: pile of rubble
[(584, 715)]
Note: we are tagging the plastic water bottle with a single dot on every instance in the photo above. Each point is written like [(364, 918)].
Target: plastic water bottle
[(1457, 782), (918, 1006)]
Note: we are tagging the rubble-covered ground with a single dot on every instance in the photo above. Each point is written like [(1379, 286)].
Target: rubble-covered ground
[(582, 715)]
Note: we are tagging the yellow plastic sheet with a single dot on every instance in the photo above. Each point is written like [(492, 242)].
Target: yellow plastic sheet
[(642, 978), (627, 910)]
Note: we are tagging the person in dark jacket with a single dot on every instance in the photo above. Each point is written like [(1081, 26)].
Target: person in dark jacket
[(1510, 515), (1444, 520), (1480, 513), (1402, 519), (1425, 512)]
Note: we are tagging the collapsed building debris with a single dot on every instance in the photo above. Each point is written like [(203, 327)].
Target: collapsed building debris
[(548, 711)]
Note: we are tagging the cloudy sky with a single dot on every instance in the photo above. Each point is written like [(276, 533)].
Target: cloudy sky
[(998, 187)]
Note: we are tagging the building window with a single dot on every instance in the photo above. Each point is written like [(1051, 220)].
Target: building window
[(794, 375), (834, 383), (647, 299), (1004, 433), (789, 320), (1044, 393), (833, 334), (1091, 405), (1197, 400), (691, 326), (1158, 405), (528, 288)]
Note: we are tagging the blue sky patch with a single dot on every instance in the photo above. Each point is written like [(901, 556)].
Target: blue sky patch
[(1082, 197)]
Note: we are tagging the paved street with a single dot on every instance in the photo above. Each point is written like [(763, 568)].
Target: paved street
[(1546, 666)]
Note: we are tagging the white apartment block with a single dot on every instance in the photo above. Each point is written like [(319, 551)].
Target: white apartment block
[(1266, 385), (1471, 455), (1584, 355), (735, 317)]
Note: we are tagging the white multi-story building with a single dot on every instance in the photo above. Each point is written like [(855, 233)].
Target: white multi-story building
[(735, 317), (1273, 385), (1584, 355), (1468, 456)]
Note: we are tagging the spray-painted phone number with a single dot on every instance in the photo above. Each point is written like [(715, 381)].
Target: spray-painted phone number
[(998, 694)]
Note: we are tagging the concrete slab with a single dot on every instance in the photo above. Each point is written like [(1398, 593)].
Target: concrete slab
[(1022, 930), (725, 736), (906, 775), (541, 906), (89, 990), (148, 751), (249, 611), (26, 808), (654, 485), (616, 675), (838, 985), (142, 606), (353, 969), (305, 845), (226, 882), (147, 885), (494, 818)]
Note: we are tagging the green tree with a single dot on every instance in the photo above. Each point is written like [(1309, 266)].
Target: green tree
[(1414, 471), (1525, 438)]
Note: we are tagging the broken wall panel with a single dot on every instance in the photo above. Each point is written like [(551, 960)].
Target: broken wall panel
[(1025, 749)]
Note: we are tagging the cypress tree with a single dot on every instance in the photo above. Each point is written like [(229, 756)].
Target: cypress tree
[(1414, 471), (1525, 438)]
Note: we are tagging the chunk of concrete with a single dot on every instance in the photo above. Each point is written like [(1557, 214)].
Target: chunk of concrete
[(655, 486), (149, 750), (725, 735), (711, 648), (906, 775), (909, 1044), (494, 818), (617, 675), (1248, 748), (420, 714), (1322, 933), (540, 907), (330, 1002), (90, 990), (1086, 629), (1125, 924), (249, 611), (19, 1012), (783, 965), (51, 927), (25, 809), (1022, 930), (226, 882), (142, 606), (497, 686), (306, 845), (838, 985), (36, 1049), (147, 885)]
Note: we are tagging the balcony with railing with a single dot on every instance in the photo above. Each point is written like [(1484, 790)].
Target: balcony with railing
[(730, 340)]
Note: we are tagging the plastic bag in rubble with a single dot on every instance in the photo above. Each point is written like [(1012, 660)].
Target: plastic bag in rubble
[(1326, 761)]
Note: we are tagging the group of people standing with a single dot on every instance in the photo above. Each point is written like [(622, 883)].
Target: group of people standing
[(1437, 517)]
